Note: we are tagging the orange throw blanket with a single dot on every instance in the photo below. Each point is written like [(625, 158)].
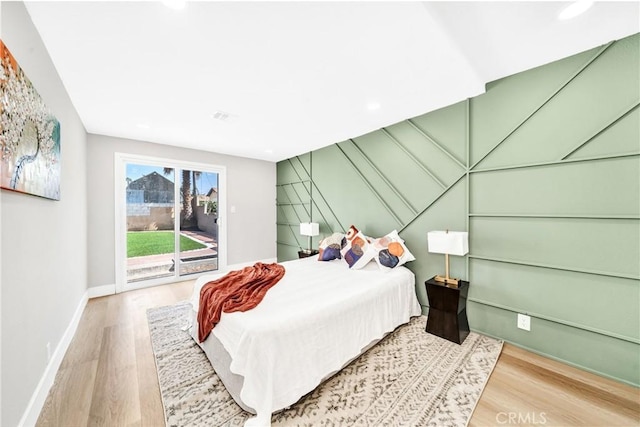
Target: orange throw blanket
[(239, 290)]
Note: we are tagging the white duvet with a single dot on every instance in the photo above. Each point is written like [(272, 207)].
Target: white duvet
[(309, 325)]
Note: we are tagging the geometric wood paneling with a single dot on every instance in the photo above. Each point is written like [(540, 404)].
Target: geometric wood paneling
[(575, 244), (555, 295), (543, 170), (561, 189)]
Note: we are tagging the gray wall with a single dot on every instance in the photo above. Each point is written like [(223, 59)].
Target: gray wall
[(250, 188), (44, 242), (543, 170)]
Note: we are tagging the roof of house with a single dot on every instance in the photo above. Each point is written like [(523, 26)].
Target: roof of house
[(151, 181)]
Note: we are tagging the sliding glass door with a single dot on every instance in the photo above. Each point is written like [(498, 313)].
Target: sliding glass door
[(170, 228), (198, 222), (150, 229)]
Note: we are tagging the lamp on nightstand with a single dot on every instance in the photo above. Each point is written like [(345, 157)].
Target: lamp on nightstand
[(448, 243), (309, 229)]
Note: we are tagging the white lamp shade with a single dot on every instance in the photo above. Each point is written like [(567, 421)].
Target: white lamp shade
[(309, 228), (452, 242)]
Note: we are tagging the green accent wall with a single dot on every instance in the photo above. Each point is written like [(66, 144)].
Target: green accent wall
[(543, 170)]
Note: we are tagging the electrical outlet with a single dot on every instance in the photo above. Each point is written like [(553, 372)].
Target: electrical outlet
[(48, 351), (524, 322)]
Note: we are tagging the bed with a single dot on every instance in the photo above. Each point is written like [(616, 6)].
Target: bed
[(317, 319)]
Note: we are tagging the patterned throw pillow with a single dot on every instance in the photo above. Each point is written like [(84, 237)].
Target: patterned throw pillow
[(329, 248), (357, 251), (390, 251)]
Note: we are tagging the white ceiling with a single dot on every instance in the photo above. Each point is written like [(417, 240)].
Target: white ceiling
[(297, 76)]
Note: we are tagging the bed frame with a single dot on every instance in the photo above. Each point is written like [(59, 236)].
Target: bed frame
[(221, 361), (369, 300)]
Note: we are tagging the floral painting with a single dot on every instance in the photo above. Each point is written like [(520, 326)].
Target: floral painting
[(29, 135)]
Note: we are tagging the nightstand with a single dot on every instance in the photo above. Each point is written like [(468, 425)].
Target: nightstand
[(448, 310), (306, 253)]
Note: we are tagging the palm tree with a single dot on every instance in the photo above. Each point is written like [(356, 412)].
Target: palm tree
[(185, 192), (196, 175), (185, 189)]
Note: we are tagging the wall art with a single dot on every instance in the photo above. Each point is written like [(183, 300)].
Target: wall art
[(29, 134)]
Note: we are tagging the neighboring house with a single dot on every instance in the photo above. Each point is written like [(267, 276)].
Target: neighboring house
[(204, 199), (211, 196), (151, 188)]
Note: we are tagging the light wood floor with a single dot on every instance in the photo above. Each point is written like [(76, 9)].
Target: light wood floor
[(108, 377)]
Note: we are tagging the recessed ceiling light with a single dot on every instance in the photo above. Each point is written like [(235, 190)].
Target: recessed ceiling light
[(373, 106), (175, 4), (224, 116), (268, 151), (143, 126), (574, 9), (220, 115)]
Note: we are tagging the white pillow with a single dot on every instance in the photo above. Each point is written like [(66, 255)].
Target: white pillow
[(357, 252), (329, 248), (390, 251)]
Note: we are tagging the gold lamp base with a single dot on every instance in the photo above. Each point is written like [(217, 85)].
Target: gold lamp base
[(446, 280)]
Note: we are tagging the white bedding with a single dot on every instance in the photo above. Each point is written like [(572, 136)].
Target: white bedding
[(318, 317)]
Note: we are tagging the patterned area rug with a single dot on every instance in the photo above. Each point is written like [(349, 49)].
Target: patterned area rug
[(410, 378)]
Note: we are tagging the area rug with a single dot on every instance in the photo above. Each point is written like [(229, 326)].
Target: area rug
[(410, 378)]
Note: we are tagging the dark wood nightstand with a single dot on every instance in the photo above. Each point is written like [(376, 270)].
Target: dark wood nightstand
[(306, 254), (448, 310)]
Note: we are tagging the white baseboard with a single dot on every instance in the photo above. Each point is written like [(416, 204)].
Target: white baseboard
[(101, 291), (32, 412)]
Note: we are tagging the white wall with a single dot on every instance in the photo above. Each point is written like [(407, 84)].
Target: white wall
[(251, 188), (44, 242)]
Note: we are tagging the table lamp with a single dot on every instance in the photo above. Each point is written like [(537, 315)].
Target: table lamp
[(309, 229), (448, 243)]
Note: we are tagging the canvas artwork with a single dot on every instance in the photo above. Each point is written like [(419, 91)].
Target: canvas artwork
[(29, 135)]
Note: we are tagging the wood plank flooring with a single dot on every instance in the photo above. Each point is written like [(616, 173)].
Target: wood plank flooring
[(108, 377)]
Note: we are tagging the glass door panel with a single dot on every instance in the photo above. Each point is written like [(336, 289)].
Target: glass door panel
[(198, 222), (167, 220), (150, 204)]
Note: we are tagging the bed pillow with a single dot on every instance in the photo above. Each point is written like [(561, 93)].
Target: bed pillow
[(390, 251), (357, 251), (329, 248)]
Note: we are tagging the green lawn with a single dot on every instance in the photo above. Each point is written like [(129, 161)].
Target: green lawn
[(142, 243)]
